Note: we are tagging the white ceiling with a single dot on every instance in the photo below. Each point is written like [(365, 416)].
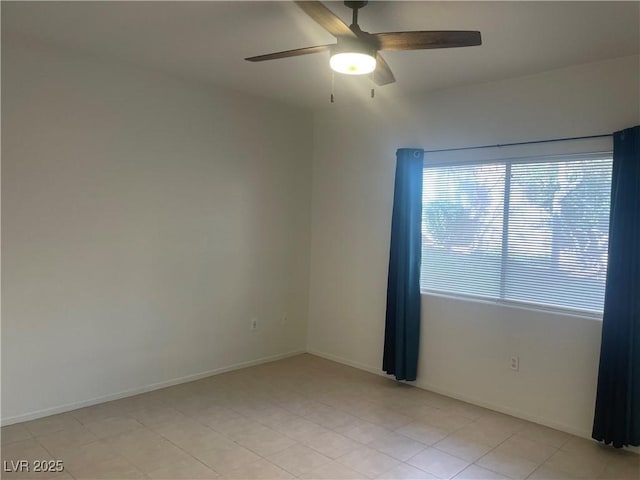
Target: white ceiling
[(207, 41)]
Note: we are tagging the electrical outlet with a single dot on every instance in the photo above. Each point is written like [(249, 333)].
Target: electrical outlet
[(254, 324), (515, 363)]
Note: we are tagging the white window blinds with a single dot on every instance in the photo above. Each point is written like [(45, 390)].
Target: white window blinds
[(533, 231)]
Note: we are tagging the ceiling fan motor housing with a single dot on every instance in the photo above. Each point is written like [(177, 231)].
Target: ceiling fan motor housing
[(346, 44), (356, 5)]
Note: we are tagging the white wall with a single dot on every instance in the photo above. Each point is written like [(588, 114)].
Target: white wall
[(146, 220), (465, 345)]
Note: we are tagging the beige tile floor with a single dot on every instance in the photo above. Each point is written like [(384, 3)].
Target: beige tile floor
[(303, 417)]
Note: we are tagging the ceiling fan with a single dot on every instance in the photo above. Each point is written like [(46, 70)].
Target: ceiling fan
[(358, 52)]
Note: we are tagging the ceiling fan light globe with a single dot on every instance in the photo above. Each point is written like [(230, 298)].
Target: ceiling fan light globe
[(352, 63)]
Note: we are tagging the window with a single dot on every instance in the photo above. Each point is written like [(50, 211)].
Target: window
[(531, 231)]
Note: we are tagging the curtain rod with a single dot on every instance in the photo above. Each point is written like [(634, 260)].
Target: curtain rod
[(519, 143)]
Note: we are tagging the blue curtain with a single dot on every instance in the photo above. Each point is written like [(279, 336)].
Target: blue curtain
[(402, 327), (617, 415)]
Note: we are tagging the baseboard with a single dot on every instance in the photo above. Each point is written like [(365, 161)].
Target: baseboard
[(516, 413), (506, 410), (146, 388), (345, 361), (272, 358), (464, 398)]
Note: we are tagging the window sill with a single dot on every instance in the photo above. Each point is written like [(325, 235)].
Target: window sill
[(516, 305)]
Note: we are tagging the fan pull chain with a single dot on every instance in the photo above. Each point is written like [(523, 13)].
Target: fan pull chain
[(332, 85), (373, 90)]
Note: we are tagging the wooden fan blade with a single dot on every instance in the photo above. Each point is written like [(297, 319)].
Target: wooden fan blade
[(382, 75), (394, 41), (326, 19), (290, 53)]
